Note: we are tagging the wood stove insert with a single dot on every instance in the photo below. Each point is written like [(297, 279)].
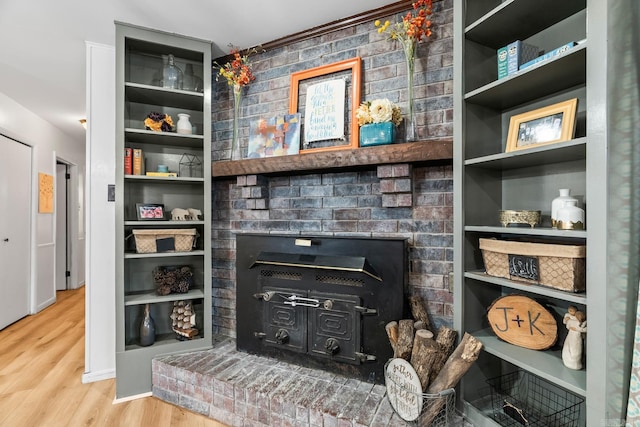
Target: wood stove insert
[(321, 302)]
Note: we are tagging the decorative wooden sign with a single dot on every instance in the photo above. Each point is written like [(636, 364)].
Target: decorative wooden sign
[(403, 389), (521, 321)]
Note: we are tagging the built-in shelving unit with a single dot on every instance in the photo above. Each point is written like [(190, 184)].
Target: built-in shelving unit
[(487, 179), (141, 55)]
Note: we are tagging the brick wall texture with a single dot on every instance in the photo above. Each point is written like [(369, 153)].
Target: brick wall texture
[(415, 204)]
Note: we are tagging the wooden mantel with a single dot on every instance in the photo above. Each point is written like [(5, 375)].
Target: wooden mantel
[(411, 152)]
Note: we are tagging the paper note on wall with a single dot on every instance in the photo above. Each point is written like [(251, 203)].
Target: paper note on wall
[(324, 111), (45, 190)]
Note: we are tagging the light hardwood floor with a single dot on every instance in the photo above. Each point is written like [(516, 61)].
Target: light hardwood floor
[(41, 366)]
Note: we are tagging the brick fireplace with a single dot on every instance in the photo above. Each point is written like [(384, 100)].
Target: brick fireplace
[(403, 199), (239, 388), (340, 204)]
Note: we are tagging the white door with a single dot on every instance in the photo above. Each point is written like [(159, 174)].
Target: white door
[(15, 231), (62, 251)]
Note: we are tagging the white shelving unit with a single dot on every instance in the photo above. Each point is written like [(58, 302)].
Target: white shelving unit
[(140, 59)]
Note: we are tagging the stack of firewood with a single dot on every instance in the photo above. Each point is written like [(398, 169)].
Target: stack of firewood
[(438, 365)]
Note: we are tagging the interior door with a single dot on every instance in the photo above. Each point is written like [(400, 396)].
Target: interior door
[(15, 230), (62, 247)]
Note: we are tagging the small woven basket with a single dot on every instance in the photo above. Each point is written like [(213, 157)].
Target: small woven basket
[(147, 240), (560, 266)]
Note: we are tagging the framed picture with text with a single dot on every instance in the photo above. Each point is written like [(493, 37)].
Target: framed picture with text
[(149, 212)]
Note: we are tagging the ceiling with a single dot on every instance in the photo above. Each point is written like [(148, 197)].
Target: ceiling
[(42, 58)]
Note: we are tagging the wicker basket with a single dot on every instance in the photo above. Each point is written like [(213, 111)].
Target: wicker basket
[(557, 266), (168, 240)]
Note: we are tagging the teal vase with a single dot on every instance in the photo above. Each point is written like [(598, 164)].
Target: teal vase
[(377, 134)]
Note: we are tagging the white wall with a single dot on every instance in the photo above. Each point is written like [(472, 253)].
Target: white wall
[(48, 142), (100, 337)]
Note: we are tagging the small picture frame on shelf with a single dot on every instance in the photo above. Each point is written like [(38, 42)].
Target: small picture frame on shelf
[(150, 212), (546, 125)]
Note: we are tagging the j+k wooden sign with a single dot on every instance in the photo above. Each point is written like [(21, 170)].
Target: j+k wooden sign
[(521, 321)]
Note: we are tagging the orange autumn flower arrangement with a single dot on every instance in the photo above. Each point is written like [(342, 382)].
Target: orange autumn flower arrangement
[(414, 26), (238, 74), (237, 71)]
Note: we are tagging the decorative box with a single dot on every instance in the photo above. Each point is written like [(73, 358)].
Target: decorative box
[(557, 266), (377, 134), (511, 56)]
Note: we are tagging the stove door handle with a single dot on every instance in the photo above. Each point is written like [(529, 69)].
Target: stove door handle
[(302, 304), (365, 310), (295, 300)]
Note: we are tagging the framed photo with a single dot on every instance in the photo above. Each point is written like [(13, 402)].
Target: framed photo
[(546, 125), (315, 93), (149, 212)]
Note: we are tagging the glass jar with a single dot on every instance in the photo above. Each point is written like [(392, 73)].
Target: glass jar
[(191, 81), (171, 74)]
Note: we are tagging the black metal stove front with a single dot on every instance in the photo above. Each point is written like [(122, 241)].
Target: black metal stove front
[(320, 302)]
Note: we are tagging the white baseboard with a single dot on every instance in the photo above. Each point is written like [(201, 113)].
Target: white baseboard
[(134, 397), (91, 377)]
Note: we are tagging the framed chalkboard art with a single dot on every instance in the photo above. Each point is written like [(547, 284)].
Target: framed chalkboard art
[(327, 98)]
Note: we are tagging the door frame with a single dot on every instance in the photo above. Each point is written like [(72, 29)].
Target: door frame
[(73, 233), (67, 238)]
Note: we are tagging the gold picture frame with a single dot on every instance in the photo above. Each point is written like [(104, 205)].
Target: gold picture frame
[(546, 125), (353, 64)]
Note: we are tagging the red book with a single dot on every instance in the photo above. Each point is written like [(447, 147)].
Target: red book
[(128, 161)]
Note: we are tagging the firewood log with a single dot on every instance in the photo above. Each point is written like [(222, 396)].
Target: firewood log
[(392, 333), (456, 366), (446, 340), (405, 339), (425, 352), (419, 325), (419, 310)]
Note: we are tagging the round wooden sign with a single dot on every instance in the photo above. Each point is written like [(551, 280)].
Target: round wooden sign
[(403, 389), (521, 321)]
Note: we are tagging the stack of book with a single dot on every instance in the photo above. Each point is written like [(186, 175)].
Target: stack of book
[(133, 161)]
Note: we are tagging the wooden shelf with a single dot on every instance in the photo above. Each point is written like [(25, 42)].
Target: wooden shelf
[(546, 364), (152, 297), (502, 17), (545, 78), (412, 152), (578, 298)]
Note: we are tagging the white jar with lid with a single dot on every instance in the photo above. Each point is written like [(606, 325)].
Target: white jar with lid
[(184, 125), (570, 216), (558, 203)]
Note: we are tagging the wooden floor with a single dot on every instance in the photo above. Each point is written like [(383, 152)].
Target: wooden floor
[(41, 367)]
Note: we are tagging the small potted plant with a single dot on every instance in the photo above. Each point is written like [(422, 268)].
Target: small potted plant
[(378, 120)]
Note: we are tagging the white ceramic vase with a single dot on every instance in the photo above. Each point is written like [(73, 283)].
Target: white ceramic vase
[(184, 125), (558, 203), (570, 216)]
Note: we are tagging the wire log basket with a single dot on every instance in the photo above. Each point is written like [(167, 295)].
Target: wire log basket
[(523, 399), (420, 409)]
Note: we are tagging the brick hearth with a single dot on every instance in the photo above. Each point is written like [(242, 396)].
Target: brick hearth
[(240, 389)]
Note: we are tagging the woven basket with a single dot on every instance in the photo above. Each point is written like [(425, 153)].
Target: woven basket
[(559, 266), (147, 240)]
